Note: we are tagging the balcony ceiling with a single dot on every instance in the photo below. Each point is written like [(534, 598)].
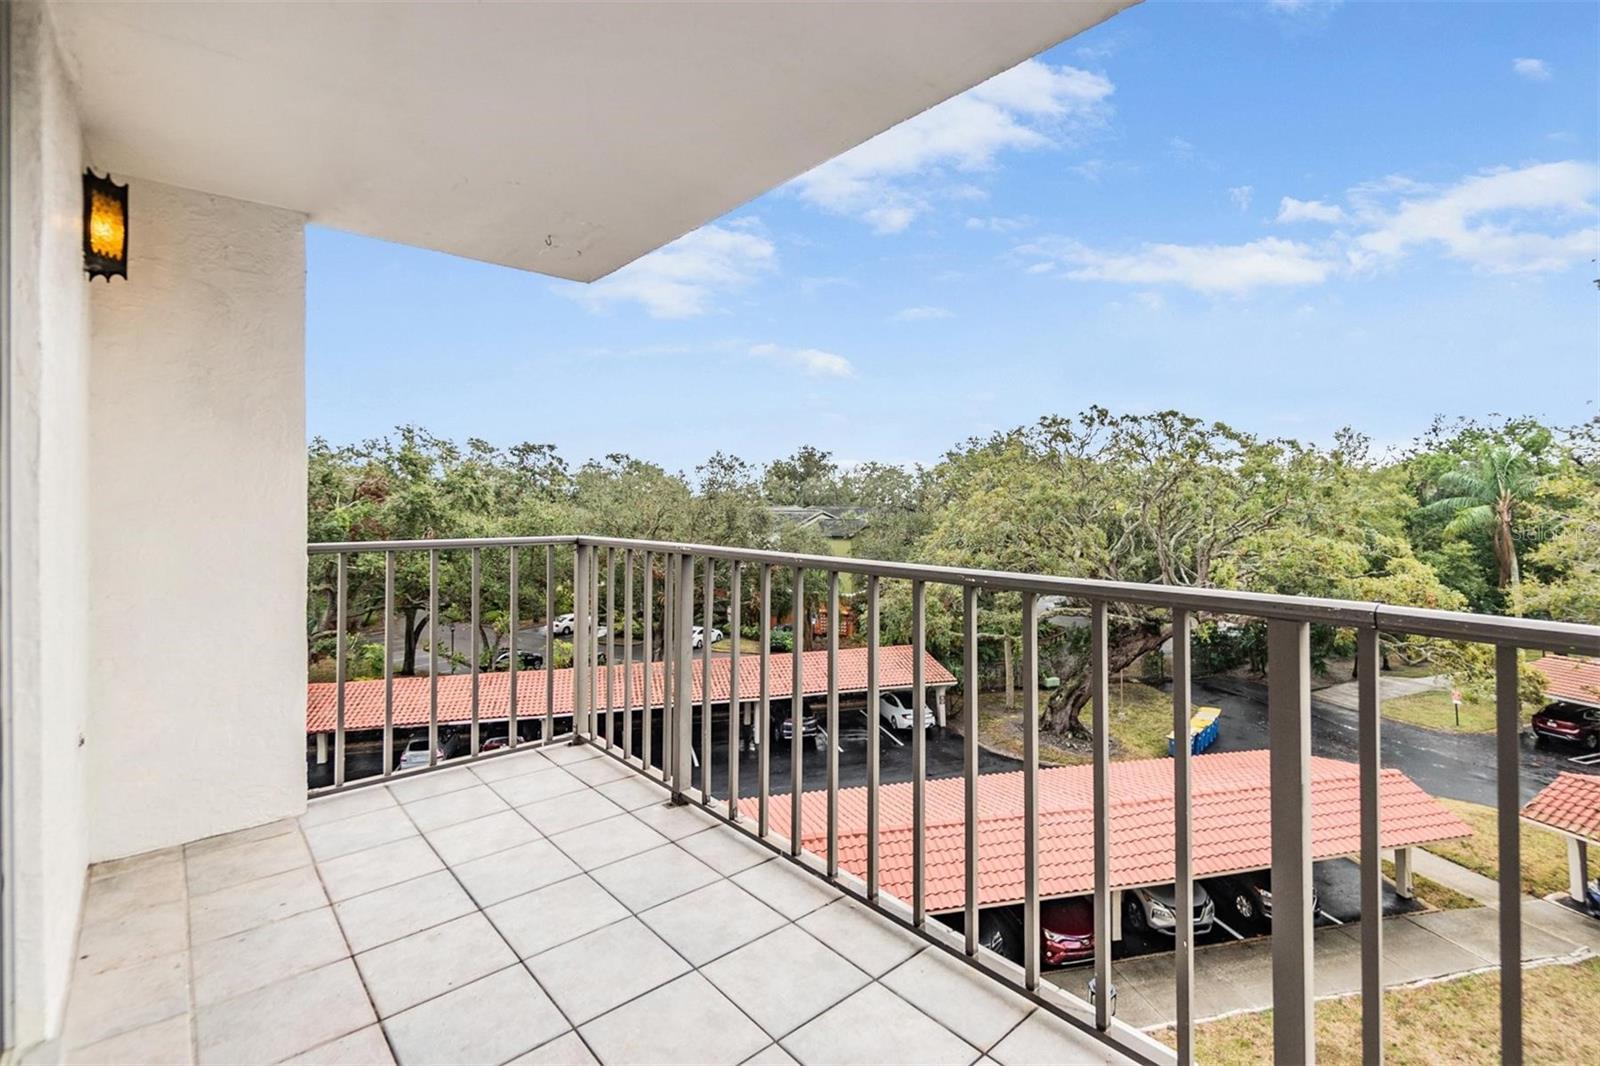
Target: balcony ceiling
[(567, 139)]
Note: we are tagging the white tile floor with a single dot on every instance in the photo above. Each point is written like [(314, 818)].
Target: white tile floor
[(545, 907)]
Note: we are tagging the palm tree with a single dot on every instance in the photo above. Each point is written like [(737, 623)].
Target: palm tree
[(1485, 495)]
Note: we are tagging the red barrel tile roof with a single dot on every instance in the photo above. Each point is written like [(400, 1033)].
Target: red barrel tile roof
[(1570, 678), (1570, 803), (1231, 825), (364, 699)]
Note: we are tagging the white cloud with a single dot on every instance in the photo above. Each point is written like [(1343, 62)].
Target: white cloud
[(1532, 69), (1488, 220), (682, 279), (1214, 269), (1000, 223), (922, 314), (813, 361), (898, 175), (1292, 210), (1241, 196)]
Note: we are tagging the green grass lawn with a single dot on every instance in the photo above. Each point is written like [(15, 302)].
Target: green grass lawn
[(1544, 854), (1450, 1021), (1439, 897), (1433, 710), (1141, 718)]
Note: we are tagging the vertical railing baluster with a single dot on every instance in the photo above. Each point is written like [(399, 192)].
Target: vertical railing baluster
[(1289, 741), (735, 706), (833, 723), (513, 623), (580, 638), (874, 727), (549, 729), (919, 757), (1369, 755), (669, 665), (707, 613), (797, 711), (1183, 840), (1032, 951), (1508, 752), (611, 640), (969, 763), (388, 663), (591, 718), (647, 709), (340, 666), (1099, 689), (433, 657), (627, 655), (476, 653), (764, 706), (683, 624)]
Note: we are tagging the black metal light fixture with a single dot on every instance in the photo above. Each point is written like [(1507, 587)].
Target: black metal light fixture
[(105, 227)]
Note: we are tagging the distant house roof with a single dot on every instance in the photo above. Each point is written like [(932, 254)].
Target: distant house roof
[(1232, 825), (837, 522), (1570, 803), (364, 699), (1571, 679)]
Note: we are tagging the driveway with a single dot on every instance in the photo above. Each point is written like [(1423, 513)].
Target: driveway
[(1456, 765)]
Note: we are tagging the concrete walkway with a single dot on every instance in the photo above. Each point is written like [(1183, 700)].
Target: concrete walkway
[(1236, 977), (1346, 694)]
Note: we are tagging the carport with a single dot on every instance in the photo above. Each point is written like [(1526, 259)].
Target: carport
[(1231, 805), (1570, 806)]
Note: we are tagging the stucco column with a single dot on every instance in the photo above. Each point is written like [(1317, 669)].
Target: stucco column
[(1577, 867)]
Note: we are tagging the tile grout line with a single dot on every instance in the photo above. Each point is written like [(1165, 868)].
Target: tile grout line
[(193, 1013), (349, 956)]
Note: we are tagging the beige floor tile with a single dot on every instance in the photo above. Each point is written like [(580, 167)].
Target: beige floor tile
[(632, 792), (504, 767), (514, 871), (675, 822), (605, 842), (163, 1043), (213, 871), (364, 1047), (711, 921), (139, 936), (467, 804), (726, 850), (284, 1018), (434, 783), (243, 836), (358, 833), (861, 936), (379, 867), (400, 910), (761, 978), (490, 1020), (1043, 1039), (427, 964), (246, 961), (111, 898), (875, 1027), (974, 1007), (241, 907), (565, 1050), (466, 841), (555, 914), (531, 788), (560, 813), (347, 805), (608, 967), (655, 876), (789, 891), (687, 1021), (102, 1005)]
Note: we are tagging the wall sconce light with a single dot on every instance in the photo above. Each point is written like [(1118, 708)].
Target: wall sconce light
[(105, 227)]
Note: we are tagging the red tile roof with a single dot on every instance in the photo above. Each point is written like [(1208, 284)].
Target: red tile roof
[(1571, 679), (364, 699), (1231, 825), (1570, 803)]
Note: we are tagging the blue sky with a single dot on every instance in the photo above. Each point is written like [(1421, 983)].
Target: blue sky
[(1291, 217)]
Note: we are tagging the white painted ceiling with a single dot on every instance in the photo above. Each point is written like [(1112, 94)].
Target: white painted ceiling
[(564, 138)]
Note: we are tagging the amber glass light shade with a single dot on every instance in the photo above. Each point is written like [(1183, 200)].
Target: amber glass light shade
[(105, 227)]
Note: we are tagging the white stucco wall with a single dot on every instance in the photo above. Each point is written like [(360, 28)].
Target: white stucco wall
[(197, 524), (46, 573)]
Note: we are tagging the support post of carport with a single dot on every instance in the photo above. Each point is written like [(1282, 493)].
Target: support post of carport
[(1404, 886), (322, 751), (1577, 867)]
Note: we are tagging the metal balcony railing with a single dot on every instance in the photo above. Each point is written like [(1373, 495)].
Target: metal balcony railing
[(666, 576)]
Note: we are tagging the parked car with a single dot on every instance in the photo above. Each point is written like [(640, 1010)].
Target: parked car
[(1569, 722), (1153, 909), (812, 730), (1068, 928), (698, 637), (564, 625), (894, 711), (492, 744), (527, 660), (1247, 896), (416, 754), (1591, 893)]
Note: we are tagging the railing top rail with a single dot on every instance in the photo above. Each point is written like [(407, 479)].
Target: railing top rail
[(1450, 625)]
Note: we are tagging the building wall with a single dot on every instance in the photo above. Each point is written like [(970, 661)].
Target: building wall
[(198, 524), (45, 551)]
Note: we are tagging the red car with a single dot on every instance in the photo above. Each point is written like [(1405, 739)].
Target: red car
[(1565, 721), (1068, 928)]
